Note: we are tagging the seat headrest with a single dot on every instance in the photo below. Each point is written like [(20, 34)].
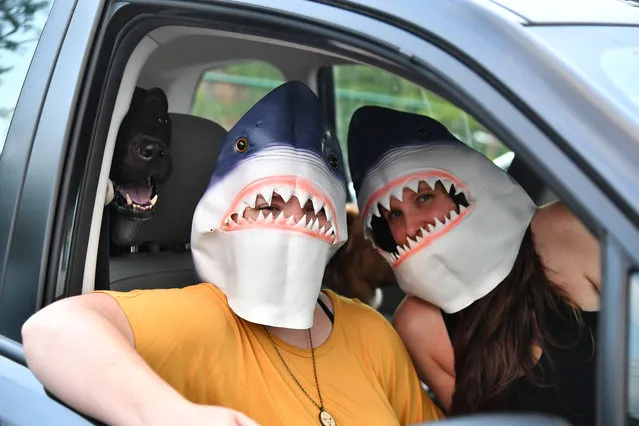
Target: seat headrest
[(195, 146)]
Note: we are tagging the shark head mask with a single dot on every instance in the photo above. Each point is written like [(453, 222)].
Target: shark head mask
[(450, 262), (270, 266)]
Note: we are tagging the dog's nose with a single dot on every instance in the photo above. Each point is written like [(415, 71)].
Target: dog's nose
[(150, 151)]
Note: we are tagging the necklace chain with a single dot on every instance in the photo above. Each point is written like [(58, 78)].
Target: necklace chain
[(320, 406)]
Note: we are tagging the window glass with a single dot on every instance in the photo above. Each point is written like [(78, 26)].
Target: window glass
[(633, 348), (227, 92), (359, 85), (21, 23)]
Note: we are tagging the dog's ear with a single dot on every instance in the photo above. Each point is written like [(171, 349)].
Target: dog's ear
[(157, 100), (139, 96)]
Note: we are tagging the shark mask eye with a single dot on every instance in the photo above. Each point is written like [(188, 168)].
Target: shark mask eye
[(241, 145), (333, 161), (421, 133)]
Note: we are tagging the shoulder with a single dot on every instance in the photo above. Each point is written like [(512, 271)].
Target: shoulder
[(415, 316), (422, 329), (557, 222), (171, 321), (559, 233), (355, 311), (188, 302), (364, 323), (205, 292), (420, 322), (193, 293), (569, 251)]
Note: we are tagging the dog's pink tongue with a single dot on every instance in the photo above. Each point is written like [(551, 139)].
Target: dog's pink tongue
[(140, 192)]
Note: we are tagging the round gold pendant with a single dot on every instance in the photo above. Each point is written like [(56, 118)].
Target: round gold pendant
[(326, 419)]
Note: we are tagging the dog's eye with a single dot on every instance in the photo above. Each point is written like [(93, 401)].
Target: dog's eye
[(333, 161), (160, 119), (241, 145)]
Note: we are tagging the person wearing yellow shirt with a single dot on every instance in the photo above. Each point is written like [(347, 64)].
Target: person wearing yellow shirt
[(256, 342)]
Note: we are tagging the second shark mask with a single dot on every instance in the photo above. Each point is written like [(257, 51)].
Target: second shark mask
[(461, 258), (269, 267)]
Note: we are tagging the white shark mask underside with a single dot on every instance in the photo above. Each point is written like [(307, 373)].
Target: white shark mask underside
[(270, 268), (459, 260)]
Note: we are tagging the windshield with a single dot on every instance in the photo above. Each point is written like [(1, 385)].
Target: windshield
[(609, 55)]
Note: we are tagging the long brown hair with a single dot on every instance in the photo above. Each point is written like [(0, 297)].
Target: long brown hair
[(495, 336)]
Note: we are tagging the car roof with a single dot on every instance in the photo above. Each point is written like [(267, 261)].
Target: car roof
[(614, 12)]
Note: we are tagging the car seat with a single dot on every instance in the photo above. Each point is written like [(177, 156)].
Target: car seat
[(158, 253)]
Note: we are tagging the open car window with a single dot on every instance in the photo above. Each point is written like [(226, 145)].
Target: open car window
[(359, 85)]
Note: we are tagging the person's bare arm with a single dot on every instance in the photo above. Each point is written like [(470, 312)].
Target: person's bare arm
[(82, 350), (583, 245), (421, 327), (570, 253)]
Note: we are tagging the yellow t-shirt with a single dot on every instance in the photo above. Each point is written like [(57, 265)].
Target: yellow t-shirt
[(192, 339)]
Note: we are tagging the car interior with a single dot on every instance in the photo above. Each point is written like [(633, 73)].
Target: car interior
[(211, 78)]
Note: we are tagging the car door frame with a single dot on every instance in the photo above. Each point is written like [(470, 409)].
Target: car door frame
[(15, 158)]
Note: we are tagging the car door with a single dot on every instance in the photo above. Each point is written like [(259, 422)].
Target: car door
[(24, 401), (33, 104), (33, 157)]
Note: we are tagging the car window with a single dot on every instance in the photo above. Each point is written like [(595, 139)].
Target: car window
[(21, 23), (633, 351), (225, 93), (359, 85)]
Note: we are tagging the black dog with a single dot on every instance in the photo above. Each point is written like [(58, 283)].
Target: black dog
[(141, 160)]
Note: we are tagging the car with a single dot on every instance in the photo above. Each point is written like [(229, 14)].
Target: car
[(549, 84)]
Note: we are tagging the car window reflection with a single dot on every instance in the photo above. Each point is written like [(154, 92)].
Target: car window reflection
[(20, 29)]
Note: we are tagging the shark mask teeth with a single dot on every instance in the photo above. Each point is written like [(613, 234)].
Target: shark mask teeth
[(431, 230), (397, 191), (269, 206), (426, 236)]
